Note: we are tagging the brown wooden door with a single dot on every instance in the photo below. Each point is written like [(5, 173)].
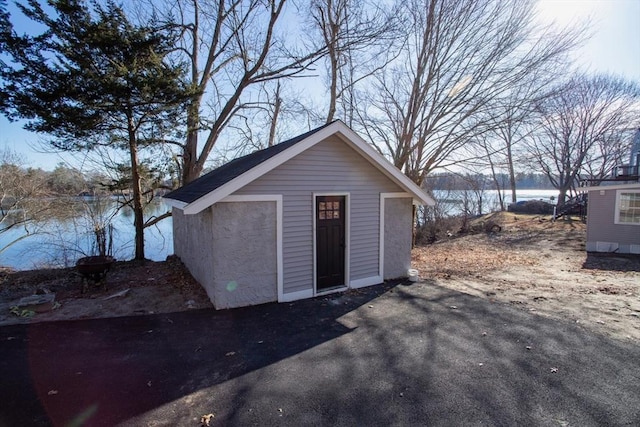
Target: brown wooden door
[(330, 241)]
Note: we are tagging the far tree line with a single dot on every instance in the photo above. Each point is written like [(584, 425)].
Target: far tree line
[(177, 86), (67, 181)]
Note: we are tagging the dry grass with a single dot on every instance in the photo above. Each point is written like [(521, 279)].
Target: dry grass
[(481, 252), (461, 257)]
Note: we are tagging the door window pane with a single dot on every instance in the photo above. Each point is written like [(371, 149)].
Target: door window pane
[(328, 210)]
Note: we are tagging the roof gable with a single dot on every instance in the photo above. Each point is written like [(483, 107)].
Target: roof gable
[(231, 170), (228, 178)]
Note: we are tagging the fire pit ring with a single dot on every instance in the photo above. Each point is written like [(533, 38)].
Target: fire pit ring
[(94, 268)]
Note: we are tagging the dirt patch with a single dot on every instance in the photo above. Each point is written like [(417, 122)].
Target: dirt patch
[(132, 288), (541, 266)]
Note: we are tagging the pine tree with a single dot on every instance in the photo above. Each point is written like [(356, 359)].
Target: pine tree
[(93, 79)]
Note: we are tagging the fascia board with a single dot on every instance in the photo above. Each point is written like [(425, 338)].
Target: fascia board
[(179, 204), (385, 166), (608, 187)]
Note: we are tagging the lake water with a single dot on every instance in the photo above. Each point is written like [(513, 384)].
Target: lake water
[(452, 200), (62, 242)]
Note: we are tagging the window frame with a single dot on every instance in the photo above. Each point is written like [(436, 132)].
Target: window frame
[(619, 194)]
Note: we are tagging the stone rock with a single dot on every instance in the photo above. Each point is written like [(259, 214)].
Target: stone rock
[(37, 303)]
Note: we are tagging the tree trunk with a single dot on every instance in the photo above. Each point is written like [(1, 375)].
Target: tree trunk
[(512, 174), (190, 151), (274, 118), (496, 182), (333, 89), (562, 196), (138, 212)]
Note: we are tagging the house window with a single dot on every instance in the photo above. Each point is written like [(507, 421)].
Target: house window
[(628, 207)]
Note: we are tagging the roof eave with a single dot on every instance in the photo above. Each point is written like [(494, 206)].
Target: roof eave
[(608, 187), (175, 203), (386, 167)]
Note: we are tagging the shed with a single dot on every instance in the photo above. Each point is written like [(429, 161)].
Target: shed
[(319, 213)]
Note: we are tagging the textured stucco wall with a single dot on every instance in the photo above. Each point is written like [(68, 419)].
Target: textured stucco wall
[(193, 244), (397, 237), (245, 259)]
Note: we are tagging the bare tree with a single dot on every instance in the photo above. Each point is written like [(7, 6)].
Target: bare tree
[(359, 37), (231, 48), (513, 116), (490, 157), (607, 154), (459, 58), (23, 199), (578, 125), (280, 111)]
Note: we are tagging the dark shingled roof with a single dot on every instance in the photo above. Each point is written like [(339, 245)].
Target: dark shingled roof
[(218, 177)]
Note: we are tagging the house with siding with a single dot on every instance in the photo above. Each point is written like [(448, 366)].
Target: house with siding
[(319, 213), (613, 209)]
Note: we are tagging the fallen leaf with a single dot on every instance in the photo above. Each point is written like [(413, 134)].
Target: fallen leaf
[(206, 419)]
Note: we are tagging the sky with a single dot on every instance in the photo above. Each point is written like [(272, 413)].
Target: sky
[(613, 48)]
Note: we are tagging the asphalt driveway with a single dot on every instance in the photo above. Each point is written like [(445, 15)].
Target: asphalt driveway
[(397, 354)]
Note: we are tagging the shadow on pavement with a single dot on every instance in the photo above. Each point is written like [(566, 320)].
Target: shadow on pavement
[(105, 371), (394, 354)]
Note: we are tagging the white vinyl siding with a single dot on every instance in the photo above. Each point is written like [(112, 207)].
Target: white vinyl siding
[(329, 166)]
